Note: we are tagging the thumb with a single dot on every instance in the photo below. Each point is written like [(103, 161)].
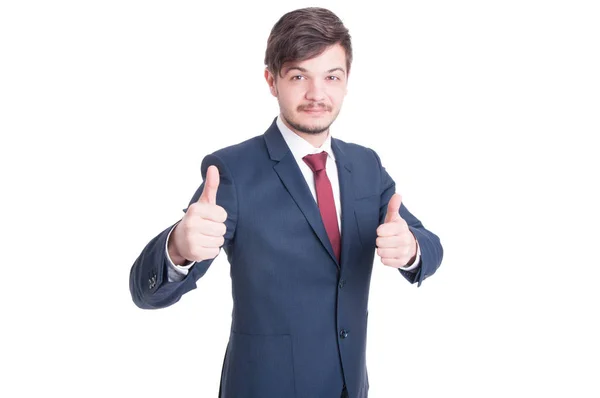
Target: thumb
[(211, 185), (393, 208)]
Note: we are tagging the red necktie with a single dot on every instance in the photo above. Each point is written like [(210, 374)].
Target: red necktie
[(325, 198)]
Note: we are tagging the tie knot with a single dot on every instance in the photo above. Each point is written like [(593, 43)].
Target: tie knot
[(316, 161)]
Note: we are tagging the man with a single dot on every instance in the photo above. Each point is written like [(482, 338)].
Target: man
[(299, 215)]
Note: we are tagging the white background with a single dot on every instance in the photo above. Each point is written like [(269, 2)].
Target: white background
[(483, 112)]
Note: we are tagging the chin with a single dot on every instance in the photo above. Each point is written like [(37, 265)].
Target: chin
[(310, 124), (312, 128), (315, 123)]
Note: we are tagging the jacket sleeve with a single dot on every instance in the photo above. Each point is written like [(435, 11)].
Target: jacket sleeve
[(148, 282), (431, 248)]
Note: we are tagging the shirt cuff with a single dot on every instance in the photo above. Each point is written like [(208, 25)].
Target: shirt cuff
[(176, 273), (417, 261)]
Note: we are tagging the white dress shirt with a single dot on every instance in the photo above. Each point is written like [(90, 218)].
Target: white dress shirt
[(299, 148)]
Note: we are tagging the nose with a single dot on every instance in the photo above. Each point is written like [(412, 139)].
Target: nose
[(315, 91)]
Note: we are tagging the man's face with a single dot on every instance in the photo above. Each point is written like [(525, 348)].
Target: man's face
[(310, 93)]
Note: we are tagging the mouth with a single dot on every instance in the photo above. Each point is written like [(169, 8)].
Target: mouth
[(314, 110)]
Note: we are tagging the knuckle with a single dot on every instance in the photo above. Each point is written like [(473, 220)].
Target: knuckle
[(183, 228), (193, 209), (189, 227), (222, 214)]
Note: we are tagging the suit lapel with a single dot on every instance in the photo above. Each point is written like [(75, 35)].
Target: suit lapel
[(292, 178), (344, 167)]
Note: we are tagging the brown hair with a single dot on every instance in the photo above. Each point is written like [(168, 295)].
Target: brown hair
[(303, 34)]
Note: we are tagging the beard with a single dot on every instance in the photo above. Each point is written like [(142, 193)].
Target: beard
[(302, 128)]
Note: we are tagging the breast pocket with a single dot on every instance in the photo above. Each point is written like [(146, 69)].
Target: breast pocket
[(259, 366), (366, 211)]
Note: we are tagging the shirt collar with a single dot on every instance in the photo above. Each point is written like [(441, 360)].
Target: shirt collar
[(299, 146)]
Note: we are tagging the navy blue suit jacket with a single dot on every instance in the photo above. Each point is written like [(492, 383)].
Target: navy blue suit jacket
[(299, 321)]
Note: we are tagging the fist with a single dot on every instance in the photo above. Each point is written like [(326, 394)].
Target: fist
[(396, 245), (200, 233)]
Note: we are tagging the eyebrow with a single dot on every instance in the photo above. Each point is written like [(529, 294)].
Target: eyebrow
[(303, 70), (334, 69)]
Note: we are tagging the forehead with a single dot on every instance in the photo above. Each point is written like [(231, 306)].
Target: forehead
[(334, 57)]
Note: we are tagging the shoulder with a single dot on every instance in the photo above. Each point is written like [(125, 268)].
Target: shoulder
[(238, 159), (357, 152), (237, 150)]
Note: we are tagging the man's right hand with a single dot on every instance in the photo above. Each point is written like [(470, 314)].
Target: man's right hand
[(200, 233)]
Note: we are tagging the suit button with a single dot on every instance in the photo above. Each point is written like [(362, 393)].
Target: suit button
[(343, 333), (342, 283)]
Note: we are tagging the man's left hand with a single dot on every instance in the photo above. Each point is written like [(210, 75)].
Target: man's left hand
[(396, 245)]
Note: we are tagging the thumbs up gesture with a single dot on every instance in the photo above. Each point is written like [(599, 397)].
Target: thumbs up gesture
[(396, 245), (200, 233)]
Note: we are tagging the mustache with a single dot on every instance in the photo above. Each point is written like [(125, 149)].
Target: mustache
[(314, 106)]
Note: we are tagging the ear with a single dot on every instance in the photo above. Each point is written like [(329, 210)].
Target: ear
[(271, 82)]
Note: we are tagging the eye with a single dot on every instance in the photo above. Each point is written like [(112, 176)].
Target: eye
[(334, 78), (297, 77)]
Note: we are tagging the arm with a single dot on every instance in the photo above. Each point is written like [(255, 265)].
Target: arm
[(148, 282), (431, 251)]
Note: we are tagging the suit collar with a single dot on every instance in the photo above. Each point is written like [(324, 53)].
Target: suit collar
[(275, 143)]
